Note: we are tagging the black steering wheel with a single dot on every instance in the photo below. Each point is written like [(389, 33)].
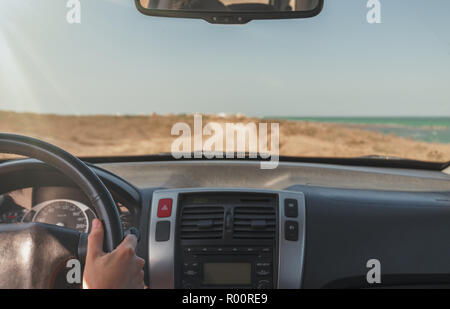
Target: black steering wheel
[(33, 254)]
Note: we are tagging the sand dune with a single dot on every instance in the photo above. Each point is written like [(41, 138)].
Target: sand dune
[(149, 134)]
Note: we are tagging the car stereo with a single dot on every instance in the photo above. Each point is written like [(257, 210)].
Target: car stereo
[(222, 267), (227, 240)]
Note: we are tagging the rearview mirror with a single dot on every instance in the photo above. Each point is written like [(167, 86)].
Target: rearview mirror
[(231, 11)]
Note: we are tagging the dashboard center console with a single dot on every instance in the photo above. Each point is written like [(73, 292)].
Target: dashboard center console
[(226, 238)]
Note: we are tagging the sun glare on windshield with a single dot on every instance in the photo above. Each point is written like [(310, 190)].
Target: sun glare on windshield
[(97, 78)]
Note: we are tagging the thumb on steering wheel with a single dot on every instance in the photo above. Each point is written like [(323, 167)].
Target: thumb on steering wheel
[(95, 240)]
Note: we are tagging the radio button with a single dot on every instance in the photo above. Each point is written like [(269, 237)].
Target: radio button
[(191, 266), (191, 252), (187, 285), (190, 272), (291, 208), (263, 272), (263, 285), (291, 230), (162, 232)]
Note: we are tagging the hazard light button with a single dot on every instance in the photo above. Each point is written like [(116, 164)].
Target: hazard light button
[(164, 208)]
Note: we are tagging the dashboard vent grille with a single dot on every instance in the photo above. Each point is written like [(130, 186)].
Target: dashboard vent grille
[(202, 222), (258, 222)]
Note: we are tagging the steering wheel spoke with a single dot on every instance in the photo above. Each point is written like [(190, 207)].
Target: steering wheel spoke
[(34, 255)]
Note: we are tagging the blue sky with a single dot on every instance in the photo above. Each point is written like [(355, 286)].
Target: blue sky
[(119, 61)]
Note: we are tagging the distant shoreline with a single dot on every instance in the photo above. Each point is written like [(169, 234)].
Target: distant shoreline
[(109, 135), (443, 122), (427, 129)]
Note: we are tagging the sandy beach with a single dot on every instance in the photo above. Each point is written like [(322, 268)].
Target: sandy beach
[(149, 134)]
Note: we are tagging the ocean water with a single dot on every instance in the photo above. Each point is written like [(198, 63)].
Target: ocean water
[(428, 129)]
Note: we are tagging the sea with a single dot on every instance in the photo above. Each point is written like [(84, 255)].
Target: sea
[(427, 129)]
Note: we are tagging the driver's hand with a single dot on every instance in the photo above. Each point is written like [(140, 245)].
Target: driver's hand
[(120, 269)]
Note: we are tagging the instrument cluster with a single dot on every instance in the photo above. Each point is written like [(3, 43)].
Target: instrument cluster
[(63, 209)]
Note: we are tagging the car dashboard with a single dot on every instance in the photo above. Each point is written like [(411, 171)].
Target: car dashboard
[(223, 224)]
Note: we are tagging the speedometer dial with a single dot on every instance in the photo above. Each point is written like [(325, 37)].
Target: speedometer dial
[(65, 213)]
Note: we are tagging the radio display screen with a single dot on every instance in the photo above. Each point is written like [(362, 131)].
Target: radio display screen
[(227, 273)]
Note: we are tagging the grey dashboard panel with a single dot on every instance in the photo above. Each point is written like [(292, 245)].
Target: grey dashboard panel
[(162, 254), (247, 174), (407, 232)]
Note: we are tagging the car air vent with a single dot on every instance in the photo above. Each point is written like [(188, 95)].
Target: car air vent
[(257, 222), (202, 222)]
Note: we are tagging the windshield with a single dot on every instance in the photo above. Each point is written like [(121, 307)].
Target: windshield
[(98, 78)]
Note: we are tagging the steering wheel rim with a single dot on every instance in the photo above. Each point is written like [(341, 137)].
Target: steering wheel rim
[(72, 167)]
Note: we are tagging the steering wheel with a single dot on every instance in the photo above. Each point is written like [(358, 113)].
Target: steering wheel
[(33, 254)]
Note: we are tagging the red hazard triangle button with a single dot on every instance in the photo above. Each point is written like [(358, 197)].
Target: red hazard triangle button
[(164, 208)]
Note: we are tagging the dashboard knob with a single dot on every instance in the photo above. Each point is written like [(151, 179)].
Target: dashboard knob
[(263, 285)]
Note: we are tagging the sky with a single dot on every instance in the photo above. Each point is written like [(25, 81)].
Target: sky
[(118, 61)]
